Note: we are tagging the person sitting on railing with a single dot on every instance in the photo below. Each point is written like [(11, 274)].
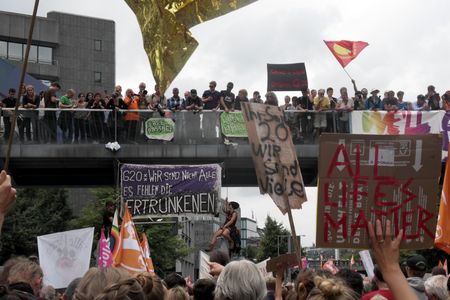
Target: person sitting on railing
[(421, 104), (79, 119), (115, 118), (374, 101), (97, 117), (30, 101), (131, 118), (321, 104), (50, 116), (65, 120), (390, 103)]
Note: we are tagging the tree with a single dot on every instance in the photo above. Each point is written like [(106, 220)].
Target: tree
[(274, 240), (250, 252), (37, 212)]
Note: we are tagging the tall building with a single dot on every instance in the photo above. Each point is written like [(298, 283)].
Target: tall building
[(76, 51), (249, 232)]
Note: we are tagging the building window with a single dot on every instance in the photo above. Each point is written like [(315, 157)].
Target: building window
[(33, 55), (15, 51), (45, 55), (97, 76), (3, 49), (97, 45)]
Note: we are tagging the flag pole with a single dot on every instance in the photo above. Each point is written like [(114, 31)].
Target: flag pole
[(347, 74), (19, 90)]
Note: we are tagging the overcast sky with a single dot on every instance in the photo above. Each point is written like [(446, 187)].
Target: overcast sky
[(409, 42)]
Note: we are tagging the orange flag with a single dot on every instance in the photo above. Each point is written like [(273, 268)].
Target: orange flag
[(345, 51), (442, 239), (445, 267), (129, 255), (146, 252)]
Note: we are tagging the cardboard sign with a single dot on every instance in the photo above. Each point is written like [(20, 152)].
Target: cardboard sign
[(287, 77), (274, 156), (367, 177), (159, 129), (232, 124), (283, 261), (367, 263), (262, 268), (170, 189)]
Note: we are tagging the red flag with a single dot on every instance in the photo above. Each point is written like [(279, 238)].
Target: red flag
[(330, 266), (129, 255), (345, 51), (104, 253), (442, 239)]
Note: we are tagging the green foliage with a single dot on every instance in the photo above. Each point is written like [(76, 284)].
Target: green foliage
[(36, 212), (274, 241), (250, 252)]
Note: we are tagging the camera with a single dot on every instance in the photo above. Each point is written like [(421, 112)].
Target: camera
[(160, 109)]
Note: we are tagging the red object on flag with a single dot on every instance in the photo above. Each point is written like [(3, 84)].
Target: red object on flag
[(330, 266), (442, 239), (345, 51)]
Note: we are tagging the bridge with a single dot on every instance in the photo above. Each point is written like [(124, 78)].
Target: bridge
[(64, 161)]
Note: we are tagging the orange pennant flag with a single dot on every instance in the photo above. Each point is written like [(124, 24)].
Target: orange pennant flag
[(445, 267), (146, 252), (129, 255), (442, 239), (345, 51)]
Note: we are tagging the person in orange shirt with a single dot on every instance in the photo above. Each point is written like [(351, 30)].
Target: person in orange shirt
[(131, 118)]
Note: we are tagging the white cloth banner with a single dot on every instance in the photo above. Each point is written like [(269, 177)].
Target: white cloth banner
[(64, 256), (367, 263), (204, 266), (262, 268)]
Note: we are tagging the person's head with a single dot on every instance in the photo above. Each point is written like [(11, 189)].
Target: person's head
[(81, 97), (400, 95), (70, 93), (177, 293), (304, 93), (364, 92), (242, 93), (7, 267), (438, 271), (431, 89), (321, 93), (343, 92), (271, 98), (304, 283), (220, 257), (193, 93), (118, 89), (11, 92), (240, 280), (330, 92), (55, 87), (416, 265), (187, 94), (230, 86), (152, 286), (391, 94), (212, 85), (129, 93), (420, 99), (353, 279), (374, 92), (270, 283), (174, 279), (96, 280), (30, 90), (287, 99), (70, 290), (26, 271), (142, 86), (313, 93), (204, 289), (48, 292), (127, 289), (330, 289), (175, 92), (436, 287), (97, 96), (157, 88)]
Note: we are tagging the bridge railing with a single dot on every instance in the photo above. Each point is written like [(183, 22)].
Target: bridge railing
[(92, 126)]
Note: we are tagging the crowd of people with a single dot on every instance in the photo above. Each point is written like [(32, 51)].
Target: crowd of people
[(122, 116)]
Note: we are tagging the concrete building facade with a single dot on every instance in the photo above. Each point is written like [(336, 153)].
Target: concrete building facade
[(249, 232), (76, 51)]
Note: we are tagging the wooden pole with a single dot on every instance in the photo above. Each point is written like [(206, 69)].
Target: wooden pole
[(293, 233), (22, 77)]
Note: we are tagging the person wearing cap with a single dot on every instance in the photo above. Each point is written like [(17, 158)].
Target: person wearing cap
[(229, 230), (416, 266), (374, 101)]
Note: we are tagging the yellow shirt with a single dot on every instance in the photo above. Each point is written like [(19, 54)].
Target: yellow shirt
[(324, 104)]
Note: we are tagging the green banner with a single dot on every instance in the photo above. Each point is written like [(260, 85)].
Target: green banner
[(159, 129), (233, 124)]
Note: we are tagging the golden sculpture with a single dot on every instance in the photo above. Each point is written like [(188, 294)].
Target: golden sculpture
[(165, 30)]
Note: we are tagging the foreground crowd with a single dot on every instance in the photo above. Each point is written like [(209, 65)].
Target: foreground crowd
[(316, 110), (22, 278)]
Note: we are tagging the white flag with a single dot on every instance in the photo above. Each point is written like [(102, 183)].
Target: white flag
[(64, 256), (367, 263)]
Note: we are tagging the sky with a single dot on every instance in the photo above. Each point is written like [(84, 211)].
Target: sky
[(409, 42)]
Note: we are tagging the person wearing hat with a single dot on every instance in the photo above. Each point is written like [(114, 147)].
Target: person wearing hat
[(416, 266), (229, 230), (374, 101)]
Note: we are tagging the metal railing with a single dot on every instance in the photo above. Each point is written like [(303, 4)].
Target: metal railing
[(93, 126)]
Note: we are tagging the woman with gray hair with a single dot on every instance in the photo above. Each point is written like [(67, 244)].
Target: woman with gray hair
[(240, 280), (436, 287)]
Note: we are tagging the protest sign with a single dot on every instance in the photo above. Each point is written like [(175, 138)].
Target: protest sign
[(274, 155), (283, 261), (159, 129), (367, 263), (64, 256), (203, 270), (233, 125), (286, 77), (262, 268), (368, 177), (170, 189)]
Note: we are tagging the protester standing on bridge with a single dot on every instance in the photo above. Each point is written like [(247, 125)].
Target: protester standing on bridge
[(8, 102), (115, 117), (66, 117), (131, 118), (79, 118), (50, 116), (97, 117), (30, 102)]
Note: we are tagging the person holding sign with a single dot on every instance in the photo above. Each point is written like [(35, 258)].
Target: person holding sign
[(229, 230)]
